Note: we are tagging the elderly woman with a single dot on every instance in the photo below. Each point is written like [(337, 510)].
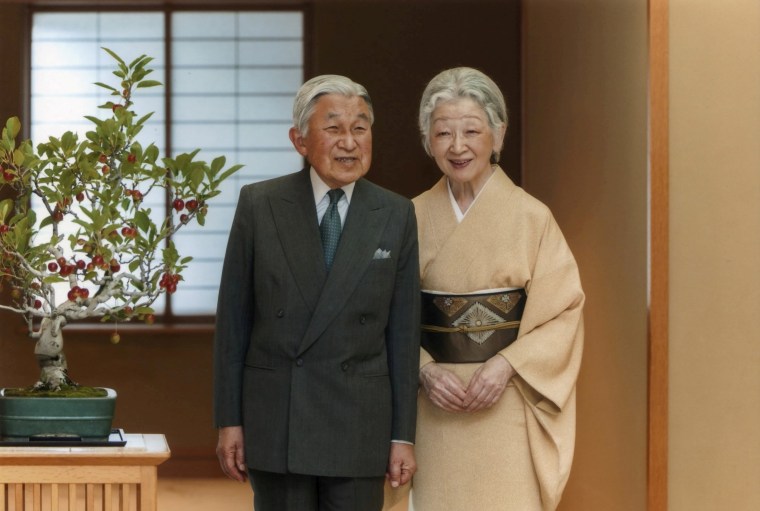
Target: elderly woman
[(502, 318)]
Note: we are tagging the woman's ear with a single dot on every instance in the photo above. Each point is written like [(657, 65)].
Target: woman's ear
[(498, 137)]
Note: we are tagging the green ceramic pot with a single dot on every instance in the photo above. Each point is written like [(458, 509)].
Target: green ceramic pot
[(86, 418)]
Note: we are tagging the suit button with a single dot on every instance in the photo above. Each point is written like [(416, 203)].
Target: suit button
[(299, 362), (363, 319), (280, 313), (344, 366)]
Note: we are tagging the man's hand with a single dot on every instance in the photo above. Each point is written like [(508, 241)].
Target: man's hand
[(230, 450), (401, 464), (443, 387)]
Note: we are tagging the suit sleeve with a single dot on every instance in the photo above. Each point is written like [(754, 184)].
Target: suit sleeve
[(402, 334), (234, 317)]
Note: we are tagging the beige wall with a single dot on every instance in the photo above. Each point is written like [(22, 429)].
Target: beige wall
[(584, 154), (714, 255)]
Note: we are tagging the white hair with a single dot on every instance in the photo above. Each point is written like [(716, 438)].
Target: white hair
[(309, 93), (459, 83)]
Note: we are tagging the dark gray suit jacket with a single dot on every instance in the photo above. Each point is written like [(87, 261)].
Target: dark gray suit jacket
[(320, 370)]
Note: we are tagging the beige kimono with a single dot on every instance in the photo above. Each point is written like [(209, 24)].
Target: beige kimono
[(517, 454)]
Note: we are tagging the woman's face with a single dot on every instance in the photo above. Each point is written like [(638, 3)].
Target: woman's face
[(461, 141)]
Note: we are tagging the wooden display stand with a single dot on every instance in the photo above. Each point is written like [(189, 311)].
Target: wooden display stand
[(74, 478)]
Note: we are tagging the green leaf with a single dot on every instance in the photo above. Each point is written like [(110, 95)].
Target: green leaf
[(93, 119), (227, 173), (68, 141), (48, 220), (148, 83), (141, 61), (23, 233), (100, 84), (18, 157), (144, 118), (6, 206), (151, 153), (196, 177), (142, 220), (112, 54), (13, 125)]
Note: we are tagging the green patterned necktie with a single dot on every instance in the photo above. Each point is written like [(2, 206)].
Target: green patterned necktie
[(330, 227)]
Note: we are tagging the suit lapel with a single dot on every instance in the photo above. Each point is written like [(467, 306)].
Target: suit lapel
[(295, 217), (360, 238)]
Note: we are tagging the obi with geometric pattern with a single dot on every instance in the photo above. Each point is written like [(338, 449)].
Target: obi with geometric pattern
[(470, 327)]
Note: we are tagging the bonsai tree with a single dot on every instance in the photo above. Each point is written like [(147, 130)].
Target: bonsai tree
[(93, 249)]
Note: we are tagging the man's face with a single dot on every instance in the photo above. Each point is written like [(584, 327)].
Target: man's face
[(338, 143)]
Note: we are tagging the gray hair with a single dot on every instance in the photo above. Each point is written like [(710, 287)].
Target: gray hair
[(459, 83), (309, 93)]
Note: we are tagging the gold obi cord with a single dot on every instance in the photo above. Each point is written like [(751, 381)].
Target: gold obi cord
[(471, 327)]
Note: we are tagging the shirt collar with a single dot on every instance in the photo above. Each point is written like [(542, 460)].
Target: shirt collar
[(320, 189)]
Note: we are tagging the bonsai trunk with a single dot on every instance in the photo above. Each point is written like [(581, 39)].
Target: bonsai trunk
[(50, 357)]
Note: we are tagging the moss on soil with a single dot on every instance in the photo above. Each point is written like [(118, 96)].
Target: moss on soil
[(66, 391)]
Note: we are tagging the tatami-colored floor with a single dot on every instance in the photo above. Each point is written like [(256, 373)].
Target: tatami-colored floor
[(215, 494)]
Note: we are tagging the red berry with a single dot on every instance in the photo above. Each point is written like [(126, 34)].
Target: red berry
[(150, 319), (97, 260), (114, 265), (8, 175), (57, 215), (80, 196), (184, 218), (4, 228), (61, 261), (137, 196), (37, 304), (192, 205), (103, 158), (105, 169), (131, 158), (53, 267), (81, 264), (178, 204)]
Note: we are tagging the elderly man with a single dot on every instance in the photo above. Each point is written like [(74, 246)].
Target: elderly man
[(316, 348)]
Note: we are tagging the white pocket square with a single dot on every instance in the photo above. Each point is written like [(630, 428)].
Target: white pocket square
[(382, 254)]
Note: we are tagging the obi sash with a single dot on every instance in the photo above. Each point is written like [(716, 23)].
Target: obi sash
[(470, 327)]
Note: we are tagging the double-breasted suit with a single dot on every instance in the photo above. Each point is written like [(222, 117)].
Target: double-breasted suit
[(319, 368)]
